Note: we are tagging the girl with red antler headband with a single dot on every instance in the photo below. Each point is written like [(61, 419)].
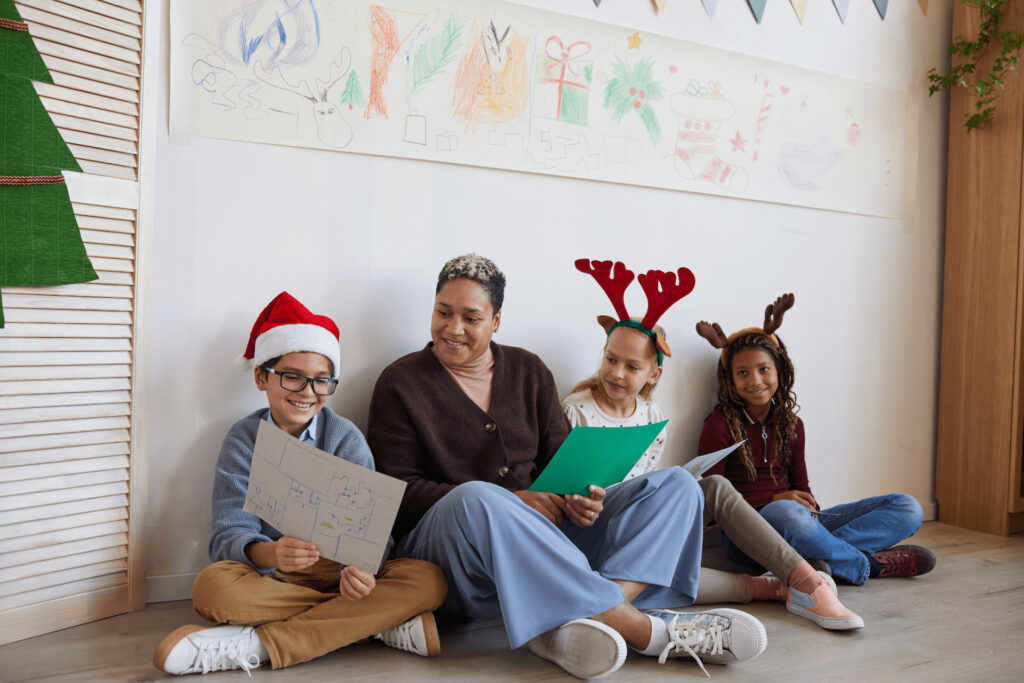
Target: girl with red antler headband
[(469, 424), (619, 395), (853, 541)]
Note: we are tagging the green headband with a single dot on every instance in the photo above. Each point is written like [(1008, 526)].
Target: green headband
[(637, 326)]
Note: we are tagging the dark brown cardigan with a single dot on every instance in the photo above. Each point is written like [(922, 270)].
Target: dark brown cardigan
[(425, 430)]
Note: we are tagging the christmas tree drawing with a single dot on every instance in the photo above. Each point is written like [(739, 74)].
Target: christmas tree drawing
[(40, 244), (353, 93)]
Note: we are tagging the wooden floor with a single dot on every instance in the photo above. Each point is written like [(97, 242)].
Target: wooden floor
[(962, 622)]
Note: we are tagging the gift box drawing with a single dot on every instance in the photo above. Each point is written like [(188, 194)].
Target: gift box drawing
[(562, 85)]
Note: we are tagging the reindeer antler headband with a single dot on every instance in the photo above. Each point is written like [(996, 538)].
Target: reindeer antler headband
[(662, 290), (772, 321)]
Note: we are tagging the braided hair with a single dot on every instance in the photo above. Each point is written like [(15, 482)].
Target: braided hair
[(784, 407)]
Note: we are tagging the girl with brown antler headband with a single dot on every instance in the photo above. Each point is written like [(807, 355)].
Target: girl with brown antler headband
[(619, 395), (853, 541)]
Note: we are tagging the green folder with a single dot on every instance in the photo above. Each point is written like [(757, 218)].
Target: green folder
[(601, 456)]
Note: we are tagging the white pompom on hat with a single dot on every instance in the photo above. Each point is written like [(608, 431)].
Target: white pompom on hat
[(286, 326)]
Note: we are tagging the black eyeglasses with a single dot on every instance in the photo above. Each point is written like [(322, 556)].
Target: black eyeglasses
[(293, 381)]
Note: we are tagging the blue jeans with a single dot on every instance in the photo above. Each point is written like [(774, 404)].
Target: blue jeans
[(841, 535)]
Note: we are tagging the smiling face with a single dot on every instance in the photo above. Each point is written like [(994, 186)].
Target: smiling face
[(293, 410), (756, 379), (629, 363), (463, 322)]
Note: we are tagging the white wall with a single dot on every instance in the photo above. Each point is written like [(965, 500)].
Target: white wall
[(361, 239)]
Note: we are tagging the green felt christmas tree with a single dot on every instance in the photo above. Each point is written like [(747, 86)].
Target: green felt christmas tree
[(40, 244)]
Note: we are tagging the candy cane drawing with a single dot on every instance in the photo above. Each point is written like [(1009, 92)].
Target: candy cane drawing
[(763, 113)]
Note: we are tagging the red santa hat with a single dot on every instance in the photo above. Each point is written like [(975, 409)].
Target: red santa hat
[(286, 326)]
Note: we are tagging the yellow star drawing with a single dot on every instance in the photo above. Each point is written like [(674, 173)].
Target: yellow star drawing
[(634, 40)]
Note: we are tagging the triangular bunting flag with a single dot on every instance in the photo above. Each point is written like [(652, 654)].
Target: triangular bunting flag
[(924, 6), (597, 3), (659, 5), (757, 7), (709, 7), (842, 7), (882, 6), (800, 7)]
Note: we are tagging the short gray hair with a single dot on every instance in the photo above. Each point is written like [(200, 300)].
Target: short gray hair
[(480, 270)]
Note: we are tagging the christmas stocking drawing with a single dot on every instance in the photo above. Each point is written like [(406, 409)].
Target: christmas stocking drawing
[(700, 117)]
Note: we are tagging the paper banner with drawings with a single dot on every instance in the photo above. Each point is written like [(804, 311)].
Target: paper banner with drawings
[(347, 510), (512, 87)]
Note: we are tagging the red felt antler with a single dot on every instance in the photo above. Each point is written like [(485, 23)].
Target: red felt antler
[(662, 291), (613, 282)]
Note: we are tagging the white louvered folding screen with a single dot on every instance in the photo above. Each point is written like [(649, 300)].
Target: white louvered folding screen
[(69, 524)]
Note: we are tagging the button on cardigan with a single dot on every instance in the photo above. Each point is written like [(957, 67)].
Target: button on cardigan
[(425, 430)]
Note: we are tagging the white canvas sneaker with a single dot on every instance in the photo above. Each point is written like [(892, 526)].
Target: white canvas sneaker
[(717, 636), (584, 648), (200, 649), (417, 635)]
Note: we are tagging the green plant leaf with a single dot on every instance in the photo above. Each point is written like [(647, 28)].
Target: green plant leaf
[(969, 52)]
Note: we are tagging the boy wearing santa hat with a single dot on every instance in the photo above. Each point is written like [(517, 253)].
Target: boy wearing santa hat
[(275, 596)]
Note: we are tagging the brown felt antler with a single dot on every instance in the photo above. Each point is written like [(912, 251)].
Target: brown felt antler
[(662, 291), (713, 333), (613, 282), (774, 312)]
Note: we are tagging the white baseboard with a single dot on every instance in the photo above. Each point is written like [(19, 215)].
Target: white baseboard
[(169, 587)]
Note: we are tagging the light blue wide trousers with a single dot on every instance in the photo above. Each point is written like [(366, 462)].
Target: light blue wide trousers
[(502, 557)]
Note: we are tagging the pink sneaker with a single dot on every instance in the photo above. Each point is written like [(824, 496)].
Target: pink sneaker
[(822, 606)]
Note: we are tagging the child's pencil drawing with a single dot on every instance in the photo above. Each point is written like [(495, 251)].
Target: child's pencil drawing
[(521, 88), (347, 510)]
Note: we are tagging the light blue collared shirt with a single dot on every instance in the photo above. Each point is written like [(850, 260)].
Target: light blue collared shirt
[(308, 435)]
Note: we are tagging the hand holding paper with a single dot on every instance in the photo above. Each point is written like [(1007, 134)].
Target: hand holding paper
[(286, 553), (584, 510), (355, 584), (548, 504)]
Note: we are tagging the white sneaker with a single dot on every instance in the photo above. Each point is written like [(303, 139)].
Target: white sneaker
[(418, 635), (718, 636), (200, 649), (584, 648)]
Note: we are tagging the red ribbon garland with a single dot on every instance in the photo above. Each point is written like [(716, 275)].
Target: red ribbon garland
[(13, 25), (31, 179)]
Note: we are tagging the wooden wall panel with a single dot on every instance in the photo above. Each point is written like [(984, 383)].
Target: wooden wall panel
[(980, 372), (68, 539)]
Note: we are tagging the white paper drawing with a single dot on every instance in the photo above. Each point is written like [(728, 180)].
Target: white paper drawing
[(526, 89), (347, 510)]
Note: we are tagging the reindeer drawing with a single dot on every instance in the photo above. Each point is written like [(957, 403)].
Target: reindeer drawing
[(331, 127)]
